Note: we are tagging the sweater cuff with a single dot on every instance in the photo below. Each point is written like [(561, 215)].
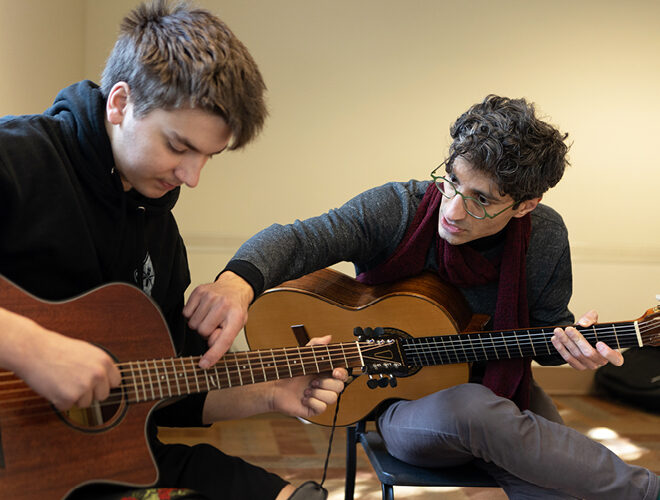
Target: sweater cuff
[(249, 272)]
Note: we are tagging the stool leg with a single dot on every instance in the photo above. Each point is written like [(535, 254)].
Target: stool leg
[(388, 491), (351, 444)]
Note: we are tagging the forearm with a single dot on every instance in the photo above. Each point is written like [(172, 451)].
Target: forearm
[(66, 371), (238, 402), (364, 231), (283, 252), (15, 340)]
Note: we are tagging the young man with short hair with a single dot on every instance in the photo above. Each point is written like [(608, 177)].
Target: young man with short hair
[(86, 193)]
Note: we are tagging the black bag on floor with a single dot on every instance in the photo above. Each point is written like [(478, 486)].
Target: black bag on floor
[(636, 382)]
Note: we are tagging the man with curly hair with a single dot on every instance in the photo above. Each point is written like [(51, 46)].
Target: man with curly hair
[(480, 226), (87, 190)]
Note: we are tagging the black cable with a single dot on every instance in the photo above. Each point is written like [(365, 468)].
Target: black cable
[(332, 433)]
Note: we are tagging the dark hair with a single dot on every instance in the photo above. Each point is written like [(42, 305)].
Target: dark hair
[(503, 138), (178, 56)]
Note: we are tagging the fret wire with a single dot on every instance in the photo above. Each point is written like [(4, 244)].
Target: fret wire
[(548, 342), (240, 376), (332, 367), (474, 353), (206, 378), (616, 337), (195, 373), (157, 376), (423, 353), (462, 348), (506, 347), (490, 335), (315, 360), (184, 371), (151, 384), (302, 363), (288, 362), (249, 365), (531, 342), (277, 370), (451, 344), (343, 352), (166, 377), (483, 347), (176, 379), (446, 351), (263, 367), (224, 361), (160, 387), (427, 352), (448, 344), (144, 387), (217, 376), (518, 344), (137, 393)]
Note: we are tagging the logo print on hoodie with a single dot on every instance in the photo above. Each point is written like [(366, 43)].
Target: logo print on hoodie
[(148, 275)]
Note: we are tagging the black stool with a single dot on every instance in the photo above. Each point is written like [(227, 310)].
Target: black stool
[(393, 472)]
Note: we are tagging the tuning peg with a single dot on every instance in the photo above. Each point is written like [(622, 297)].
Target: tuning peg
[(383, 381), (358, 331), (393, 382), (379, 332), (372, 383)]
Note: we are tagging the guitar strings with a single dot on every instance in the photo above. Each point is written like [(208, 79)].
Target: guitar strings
[(251, 357), (189, 376), (118, 395), (494, 340), (499, 342)]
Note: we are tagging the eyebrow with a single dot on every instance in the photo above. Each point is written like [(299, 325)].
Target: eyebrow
[(477, 192), (191, 146)]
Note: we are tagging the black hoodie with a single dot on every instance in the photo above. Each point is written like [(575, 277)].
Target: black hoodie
[(66, 224)]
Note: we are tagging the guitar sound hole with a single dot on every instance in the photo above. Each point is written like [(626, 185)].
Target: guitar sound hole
[(98, 417)]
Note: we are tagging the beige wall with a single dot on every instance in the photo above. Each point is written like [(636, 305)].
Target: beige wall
[(41, 51), (363, 92)]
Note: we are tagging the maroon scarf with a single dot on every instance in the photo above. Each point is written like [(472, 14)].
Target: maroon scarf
[(464, 267)]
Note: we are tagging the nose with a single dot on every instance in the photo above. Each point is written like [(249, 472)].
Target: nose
[(454, 208), (189, 169)]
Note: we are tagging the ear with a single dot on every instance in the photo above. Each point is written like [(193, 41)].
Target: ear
[(527, 206), (117, 103)]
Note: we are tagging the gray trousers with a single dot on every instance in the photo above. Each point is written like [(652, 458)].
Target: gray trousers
[(529, 455)]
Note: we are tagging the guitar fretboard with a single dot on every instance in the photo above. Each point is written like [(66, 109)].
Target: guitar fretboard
[(162, 378), (509, 344)]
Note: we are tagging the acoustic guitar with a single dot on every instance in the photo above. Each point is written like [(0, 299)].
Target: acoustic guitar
[(46, 453), (423, 322)]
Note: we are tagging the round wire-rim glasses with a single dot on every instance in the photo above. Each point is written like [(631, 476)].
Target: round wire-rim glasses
[(472, 206)]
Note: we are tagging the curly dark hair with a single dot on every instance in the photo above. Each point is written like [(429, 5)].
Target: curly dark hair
[(503, 138)]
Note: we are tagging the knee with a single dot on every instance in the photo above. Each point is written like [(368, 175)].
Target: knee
[(470, 405)]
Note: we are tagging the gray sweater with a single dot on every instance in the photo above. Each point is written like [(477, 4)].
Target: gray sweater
[(367, 230)]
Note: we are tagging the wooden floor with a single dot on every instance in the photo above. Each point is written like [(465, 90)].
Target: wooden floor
[(296, 450)]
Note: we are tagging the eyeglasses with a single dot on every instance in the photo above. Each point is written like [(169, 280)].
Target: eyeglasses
[(472, 206)]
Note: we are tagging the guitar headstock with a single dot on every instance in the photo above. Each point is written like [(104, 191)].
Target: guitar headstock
[(380, 350), (649, 327)]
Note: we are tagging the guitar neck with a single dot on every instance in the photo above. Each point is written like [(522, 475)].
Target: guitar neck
[(509, 344), (163, 378)]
